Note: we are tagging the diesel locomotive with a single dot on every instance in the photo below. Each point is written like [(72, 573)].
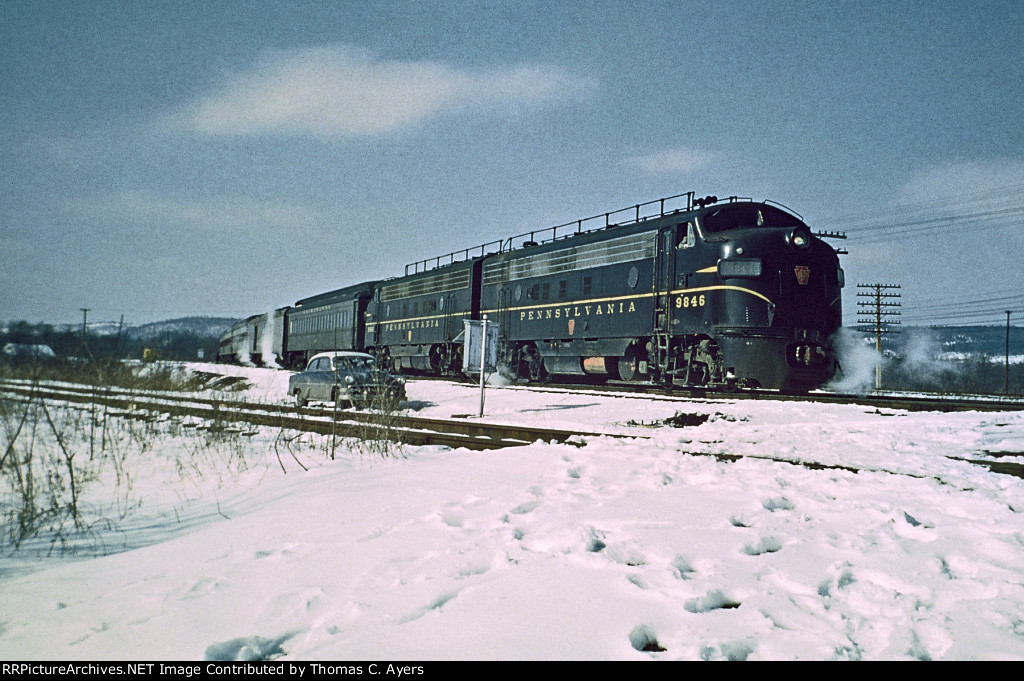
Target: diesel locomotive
[(683, 291)]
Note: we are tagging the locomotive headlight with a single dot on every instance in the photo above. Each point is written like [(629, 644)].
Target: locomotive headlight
[(800, 237)]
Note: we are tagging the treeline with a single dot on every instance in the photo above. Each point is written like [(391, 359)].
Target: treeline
[(975, 374), (953, 359), (68, 343)]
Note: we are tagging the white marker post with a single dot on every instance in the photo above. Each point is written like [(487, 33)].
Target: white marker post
[(483, 361), (480, 336)]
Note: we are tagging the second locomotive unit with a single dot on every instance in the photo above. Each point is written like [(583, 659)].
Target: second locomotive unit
[(715, 294)]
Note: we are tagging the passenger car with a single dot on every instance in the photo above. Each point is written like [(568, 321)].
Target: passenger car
[(346, 377)]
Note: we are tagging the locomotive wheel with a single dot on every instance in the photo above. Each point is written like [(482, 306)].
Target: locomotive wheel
[(627, 365), (438, 363), (455, 365), (383, 357), (533, 364), (697, 374)]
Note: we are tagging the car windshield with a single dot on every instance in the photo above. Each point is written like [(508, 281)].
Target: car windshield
[(354, 362), (746, 216)]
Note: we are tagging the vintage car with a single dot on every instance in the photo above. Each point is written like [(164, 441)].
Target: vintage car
[(350, 378)]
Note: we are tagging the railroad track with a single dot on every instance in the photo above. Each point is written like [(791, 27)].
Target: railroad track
[(886, 400), (414, 430), (907, 402)]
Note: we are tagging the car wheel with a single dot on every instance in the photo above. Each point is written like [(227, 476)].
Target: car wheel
[(300, 401)]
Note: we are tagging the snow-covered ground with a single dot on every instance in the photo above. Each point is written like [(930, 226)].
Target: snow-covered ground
[(992, 359), (601, 549)]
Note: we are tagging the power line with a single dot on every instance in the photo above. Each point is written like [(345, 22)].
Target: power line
[(893, 213), (960, 216), (985, 210)]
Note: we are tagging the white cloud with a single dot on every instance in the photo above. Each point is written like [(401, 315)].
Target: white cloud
[(953, 184), (349, 92), (680, 161), (231, 213)]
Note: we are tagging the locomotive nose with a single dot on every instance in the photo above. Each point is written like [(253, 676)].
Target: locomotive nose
[(800, 237)]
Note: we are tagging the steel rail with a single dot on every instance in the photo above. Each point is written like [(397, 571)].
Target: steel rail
[(907, 402), (414, 430)]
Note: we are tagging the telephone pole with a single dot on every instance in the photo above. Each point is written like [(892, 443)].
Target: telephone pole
[(1006, 376), (85, 319), (875, 303)]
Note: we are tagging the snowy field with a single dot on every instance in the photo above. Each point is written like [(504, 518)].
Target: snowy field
[(644, 548)]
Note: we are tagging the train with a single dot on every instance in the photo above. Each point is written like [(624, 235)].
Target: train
[(683, 291)]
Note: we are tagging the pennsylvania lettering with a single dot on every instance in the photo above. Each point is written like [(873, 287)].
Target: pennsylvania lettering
[(413, 324), (570, 311)]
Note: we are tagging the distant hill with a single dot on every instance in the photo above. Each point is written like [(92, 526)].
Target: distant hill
[(199, 326), (185, 338), (955, 340)]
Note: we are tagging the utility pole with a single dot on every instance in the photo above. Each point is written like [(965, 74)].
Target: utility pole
[(878, 297), (1006, 379), (85, 318), (117, 348)]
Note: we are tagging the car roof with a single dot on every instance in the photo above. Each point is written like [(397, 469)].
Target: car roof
[(341, 353)]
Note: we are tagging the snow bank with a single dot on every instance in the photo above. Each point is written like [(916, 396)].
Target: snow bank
[(658, 548)]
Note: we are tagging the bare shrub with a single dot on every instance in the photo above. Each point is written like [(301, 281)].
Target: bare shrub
[(53, 453), (380, 435), (67, 470), (41, 475)]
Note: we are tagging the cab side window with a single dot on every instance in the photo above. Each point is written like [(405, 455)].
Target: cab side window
[(687, 235)]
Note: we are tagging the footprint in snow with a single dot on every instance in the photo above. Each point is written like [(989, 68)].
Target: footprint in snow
[(595, 541), (246, 649), (682, 568), (452, 516), (733, 651), (624, 554), (765, 545), (435, 604), (525, 508), (714, 600), (642, 638), (777, 504)]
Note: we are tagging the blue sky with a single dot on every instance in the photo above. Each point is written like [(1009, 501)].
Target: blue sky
[(223, 158)]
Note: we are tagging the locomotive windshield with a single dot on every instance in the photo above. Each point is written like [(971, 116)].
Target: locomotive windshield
[(746, 216)]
